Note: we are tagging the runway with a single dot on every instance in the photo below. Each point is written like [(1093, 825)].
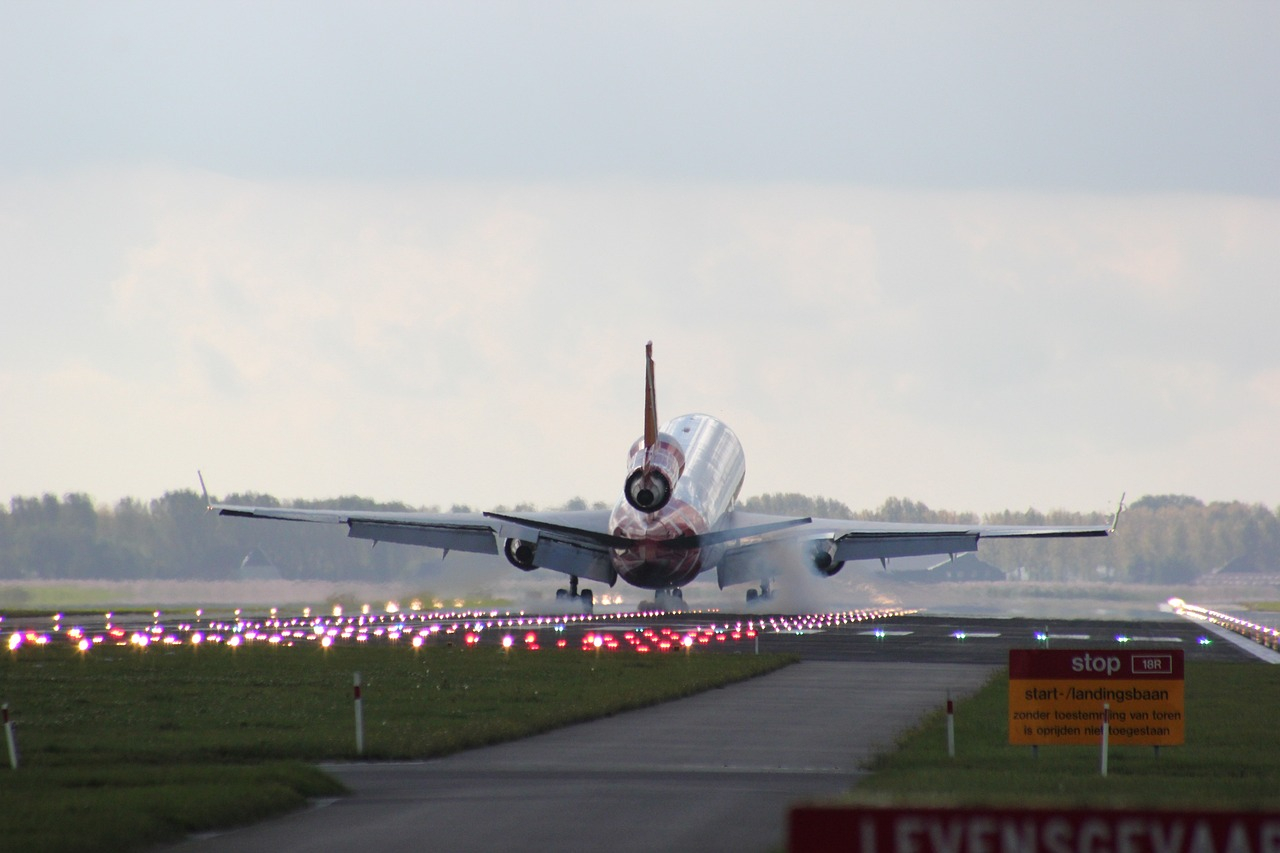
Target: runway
[(712, 772), (987, 640)]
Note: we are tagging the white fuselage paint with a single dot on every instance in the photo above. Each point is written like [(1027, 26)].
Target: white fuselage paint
[(714, 468)]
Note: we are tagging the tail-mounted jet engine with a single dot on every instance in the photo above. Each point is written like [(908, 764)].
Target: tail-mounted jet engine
[(520, 554), (822, 557), (654, 472)]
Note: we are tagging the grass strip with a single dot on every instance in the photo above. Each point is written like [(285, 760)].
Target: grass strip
[(1231, 759), (122, 748), (1263, 606), (131, 806)]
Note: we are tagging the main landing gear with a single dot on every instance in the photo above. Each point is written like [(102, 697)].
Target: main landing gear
[(666, 601), (584, 598), (764, 593)]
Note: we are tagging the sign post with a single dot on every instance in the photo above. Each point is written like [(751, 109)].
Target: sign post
[(359, 718), (951, 727), (8, 736), (1106, 730)]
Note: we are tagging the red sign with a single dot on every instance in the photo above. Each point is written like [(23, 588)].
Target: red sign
[(1118, 664), (852, 829)]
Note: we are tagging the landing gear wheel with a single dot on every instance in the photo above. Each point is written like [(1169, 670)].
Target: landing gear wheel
[(669, 600), (572, 596)]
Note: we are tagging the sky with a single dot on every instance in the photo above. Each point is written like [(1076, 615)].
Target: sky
[(984, 255)]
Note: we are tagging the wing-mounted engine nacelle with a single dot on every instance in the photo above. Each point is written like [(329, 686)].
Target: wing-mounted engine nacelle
[(822, 556), (653, 473), (520, 554)]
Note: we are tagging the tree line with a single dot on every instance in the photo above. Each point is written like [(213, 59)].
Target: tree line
[(1162, 539)]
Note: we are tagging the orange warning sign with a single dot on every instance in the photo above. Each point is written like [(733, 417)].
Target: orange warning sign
[(1056, 696)]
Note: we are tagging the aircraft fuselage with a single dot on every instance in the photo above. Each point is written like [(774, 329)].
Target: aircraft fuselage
[(711, 467)]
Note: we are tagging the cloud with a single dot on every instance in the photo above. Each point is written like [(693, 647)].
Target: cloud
[(480, 342)]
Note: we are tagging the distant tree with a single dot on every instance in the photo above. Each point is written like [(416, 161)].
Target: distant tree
[(1156, 502), (797, 505), (904, 509)]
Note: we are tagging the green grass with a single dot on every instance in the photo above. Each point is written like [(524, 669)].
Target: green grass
[(1265, 606), (41, 598), (1231, 759), (122, 748), (94, 808)]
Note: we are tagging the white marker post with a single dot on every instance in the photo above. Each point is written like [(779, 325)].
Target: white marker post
[(359, 719), (951, 727), (1106, 730), (8, 736)]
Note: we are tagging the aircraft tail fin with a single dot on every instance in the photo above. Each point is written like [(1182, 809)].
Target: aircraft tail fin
[(650, 400)]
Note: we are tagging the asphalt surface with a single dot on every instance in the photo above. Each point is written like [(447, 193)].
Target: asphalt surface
[(712, 772)]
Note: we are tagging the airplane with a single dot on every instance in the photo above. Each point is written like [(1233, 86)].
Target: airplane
[(675, 520)]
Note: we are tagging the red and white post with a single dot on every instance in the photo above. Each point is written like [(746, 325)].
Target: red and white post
[(951, 727), (359, 718), (1106, 731), (8, 736)]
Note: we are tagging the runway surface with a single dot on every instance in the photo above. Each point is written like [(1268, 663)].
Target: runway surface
[(712, 772), (987, 640)]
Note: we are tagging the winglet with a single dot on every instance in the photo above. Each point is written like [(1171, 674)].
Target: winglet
[(650, 400), (208, 504), (1115, 519)]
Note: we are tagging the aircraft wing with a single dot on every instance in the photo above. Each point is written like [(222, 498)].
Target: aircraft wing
[(572, 542), (881, 540), (845, 539)]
